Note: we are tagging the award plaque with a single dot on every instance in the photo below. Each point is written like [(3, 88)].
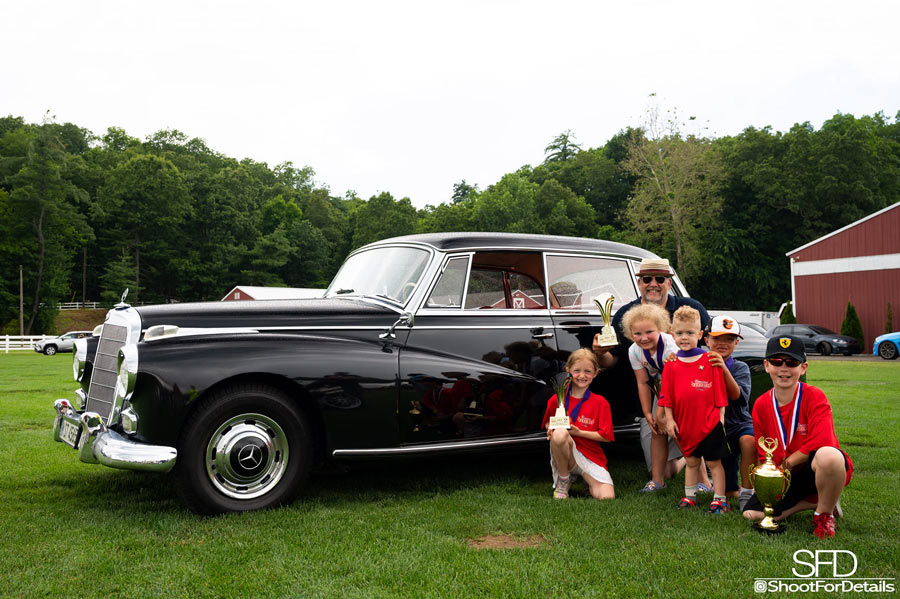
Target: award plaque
[(560, 419), (770, 483), (608, 337)]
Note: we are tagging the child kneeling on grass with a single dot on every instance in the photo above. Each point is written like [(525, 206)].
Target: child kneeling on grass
[(799, 417), (693, 395), (577, 450)]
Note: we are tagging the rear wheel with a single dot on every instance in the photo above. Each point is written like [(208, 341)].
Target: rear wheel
[(825, 348), (887, 350), (49, 350), (246, 447)]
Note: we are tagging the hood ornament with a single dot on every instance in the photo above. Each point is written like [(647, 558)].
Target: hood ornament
[(122, 303)]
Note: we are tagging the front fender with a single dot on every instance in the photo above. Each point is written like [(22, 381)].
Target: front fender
[(350, 383)]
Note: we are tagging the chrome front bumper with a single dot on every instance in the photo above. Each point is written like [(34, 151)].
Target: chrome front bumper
[(96, 444)]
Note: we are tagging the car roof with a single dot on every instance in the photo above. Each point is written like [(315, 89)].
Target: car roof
[(516, 241)]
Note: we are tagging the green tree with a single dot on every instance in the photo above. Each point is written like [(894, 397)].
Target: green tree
[(41, 210), (678, 191), (851, 325), (562, 148), (144, 202), (889, 319), (382, 217), (507, 205), (787, 316), (462, 191), (119, 275)]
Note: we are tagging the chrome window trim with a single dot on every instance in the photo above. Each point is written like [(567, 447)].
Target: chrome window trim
[(495, 312), (445, 262), (398, 306), (628, 261)]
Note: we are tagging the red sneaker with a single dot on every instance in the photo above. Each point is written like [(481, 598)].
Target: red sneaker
[(824, 526)]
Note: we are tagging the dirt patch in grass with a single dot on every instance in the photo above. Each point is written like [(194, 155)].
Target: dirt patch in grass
[(507, 542)]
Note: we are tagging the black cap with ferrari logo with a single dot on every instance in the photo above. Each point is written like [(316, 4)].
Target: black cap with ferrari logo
[(786, 345)]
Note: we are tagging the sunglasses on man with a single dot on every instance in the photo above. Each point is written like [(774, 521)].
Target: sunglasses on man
[(789, 362), (659, 280)]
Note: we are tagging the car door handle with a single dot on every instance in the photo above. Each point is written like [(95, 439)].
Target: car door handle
[(542, 335)]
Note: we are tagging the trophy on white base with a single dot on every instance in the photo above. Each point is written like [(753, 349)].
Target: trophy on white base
[(607, 337), (560, 419)]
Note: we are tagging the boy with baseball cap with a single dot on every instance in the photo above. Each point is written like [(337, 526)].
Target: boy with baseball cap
[(722, 339), (799, 417)]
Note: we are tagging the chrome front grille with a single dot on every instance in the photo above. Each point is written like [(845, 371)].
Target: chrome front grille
[(122, 326)]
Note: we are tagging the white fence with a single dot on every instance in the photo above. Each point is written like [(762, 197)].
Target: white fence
[(80, 306), (10, 343)]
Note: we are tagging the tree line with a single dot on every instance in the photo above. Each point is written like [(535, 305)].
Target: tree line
[(88, 215)]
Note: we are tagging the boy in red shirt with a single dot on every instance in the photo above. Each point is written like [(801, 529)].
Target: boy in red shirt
[(694, 397), (799, 417)]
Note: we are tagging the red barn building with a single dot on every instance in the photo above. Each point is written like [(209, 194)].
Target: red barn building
[(860, 264)]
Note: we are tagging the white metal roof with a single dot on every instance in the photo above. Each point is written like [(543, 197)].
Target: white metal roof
[(267, 293)]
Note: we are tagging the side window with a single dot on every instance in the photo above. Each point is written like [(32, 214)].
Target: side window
[(526, 292), (485, 289), (575, 281), (448, 292)]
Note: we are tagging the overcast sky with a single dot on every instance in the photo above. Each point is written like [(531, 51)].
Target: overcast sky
[(412, 97)]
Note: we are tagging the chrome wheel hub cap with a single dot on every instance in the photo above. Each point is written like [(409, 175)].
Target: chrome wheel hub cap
[(246, 456)]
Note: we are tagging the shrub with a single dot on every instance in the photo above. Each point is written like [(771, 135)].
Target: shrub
[(787, 315), (889, 320), (851, 325)]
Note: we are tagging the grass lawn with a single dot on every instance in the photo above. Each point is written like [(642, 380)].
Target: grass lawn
[(401, 529)]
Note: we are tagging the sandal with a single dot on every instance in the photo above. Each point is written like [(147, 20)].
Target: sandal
[(653, 486), (704, 488)]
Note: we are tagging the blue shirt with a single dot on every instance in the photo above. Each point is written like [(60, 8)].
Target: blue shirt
[(737, 412)]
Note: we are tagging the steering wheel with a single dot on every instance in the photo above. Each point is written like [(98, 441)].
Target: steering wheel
[(407, 291)]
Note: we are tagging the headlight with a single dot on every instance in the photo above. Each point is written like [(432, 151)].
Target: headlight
[(79, 358), (840, 341), (126, 377)]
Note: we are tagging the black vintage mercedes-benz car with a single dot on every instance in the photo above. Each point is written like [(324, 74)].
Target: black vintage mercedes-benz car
[(422, 344)]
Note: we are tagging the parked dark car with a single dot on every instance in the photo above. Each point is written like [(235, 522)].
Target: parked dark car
[(423, 345), (818, 339), (63, 343)]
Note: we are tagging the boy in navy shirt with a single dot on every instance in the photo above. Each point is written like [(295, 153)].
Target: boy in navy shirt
[(722, 339)]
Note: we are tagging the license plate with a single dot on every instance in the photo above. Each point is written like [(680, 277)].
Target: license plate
[(69, 433)]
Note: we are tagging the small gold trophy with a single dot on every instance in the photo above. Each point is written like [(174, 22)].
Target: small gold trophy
[(608, 337), (770, 483), (560, 419)]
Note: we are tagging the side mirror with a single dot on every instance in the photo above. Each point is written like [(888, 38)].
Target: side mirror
[(406, 319)]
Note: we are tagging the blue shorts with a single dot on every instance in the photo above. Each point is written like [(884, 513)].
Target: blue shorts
[(730, 462)]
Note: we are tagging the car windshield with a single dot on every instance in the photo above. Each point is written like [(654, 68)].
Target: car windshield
[(391, 273), (822, 330)]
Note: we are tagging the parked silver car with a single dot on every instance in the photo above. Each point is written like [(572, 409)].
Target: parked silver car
[(63, 343)]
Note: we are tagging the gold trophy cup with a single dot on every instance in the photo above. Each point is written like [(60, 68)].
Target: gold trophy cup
[(770, 483), (560, 419), (608, 337)]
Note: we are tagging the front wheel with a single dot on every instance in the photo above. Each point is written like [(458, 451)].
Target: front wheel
[(887, 350), (825, 349), (246, 447), (49, 350)]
